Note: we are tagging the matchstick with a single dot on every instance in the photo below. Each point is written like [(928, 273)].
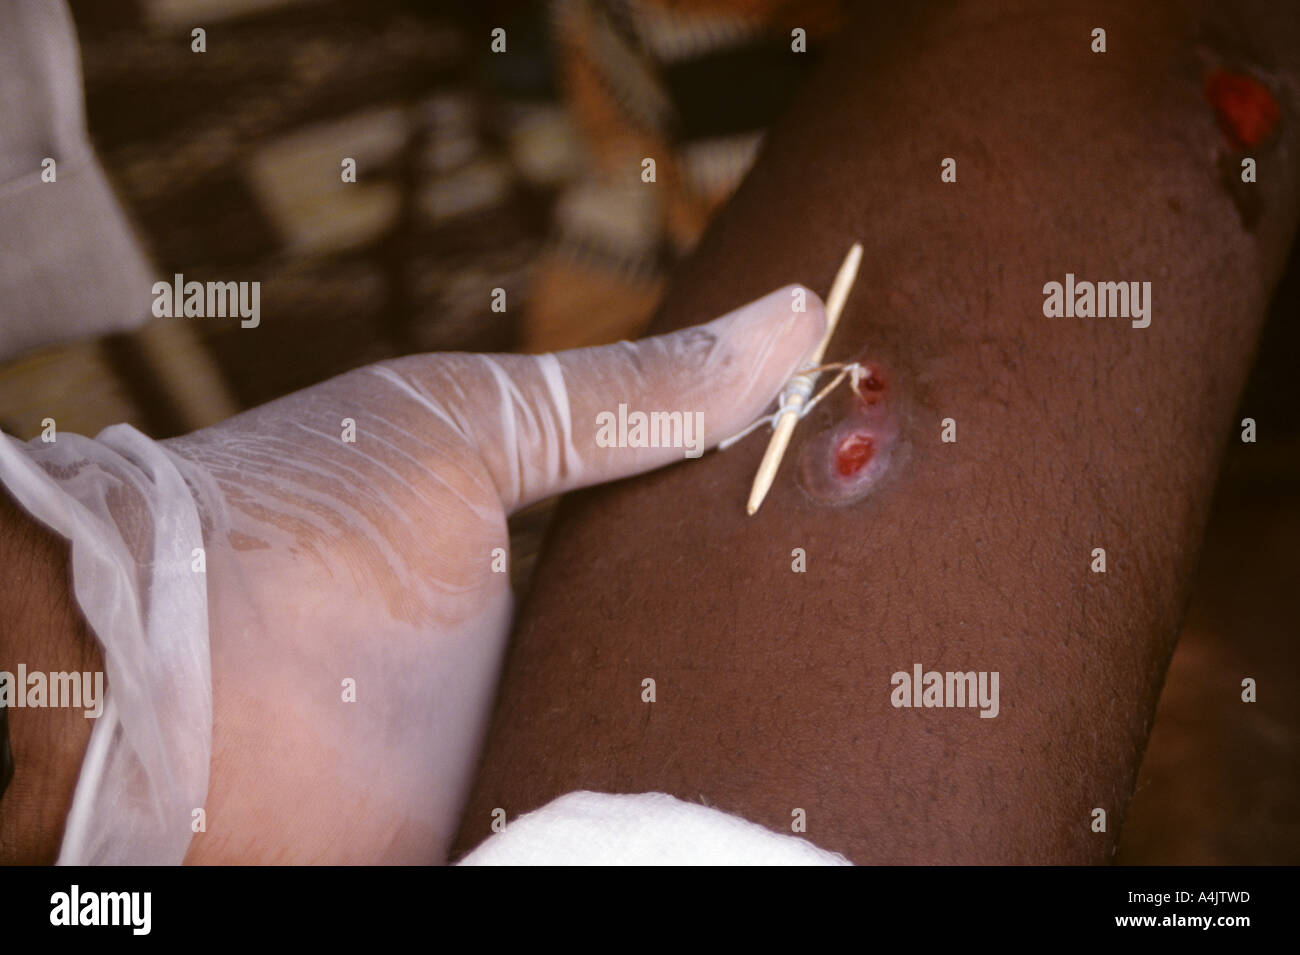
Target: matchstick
[(784, 428)]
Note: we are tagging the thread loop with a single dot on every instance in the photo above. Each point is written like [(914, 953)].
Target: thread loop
[(801, 386)]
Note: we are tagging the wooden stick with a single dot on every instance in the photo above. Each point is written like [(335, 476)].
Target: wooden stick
[(784, 428)]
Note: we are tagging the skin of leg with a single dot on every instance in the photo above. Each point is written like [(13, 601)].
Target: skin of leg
[(773, 687), (43, 628)]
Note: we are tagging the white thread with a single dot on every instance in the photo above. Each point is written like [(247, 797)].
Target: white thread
[(801, 385)]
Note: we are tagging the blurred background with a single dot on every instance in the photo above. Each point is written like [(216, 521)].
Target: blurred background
[(521, 171), (475, 171)]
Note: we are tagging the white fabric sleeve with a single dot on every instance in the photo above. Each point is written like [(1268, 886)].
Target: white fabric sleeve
[(588, 828), (128, 508), (70, 263)]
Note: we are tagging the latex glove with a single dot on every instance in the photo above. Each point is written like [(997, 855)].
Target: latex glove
[(372, 562)]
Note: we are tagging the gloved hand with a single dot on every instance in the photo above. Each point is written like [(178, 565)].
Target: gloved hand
[(371, 561)]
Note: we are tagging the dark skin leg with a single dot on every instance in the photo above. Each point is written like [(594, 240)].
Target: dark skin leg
[(41, 626), (773, 688)]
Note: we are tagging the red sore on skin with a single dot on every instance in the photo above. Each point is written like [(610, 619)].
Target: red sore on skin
[(853, 454), (869, 386), (1246, 109)]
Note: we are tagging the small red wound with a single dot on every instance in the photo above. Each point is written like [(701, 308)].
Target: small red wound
[(1247, 111), (869, 387), (853, 454)]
